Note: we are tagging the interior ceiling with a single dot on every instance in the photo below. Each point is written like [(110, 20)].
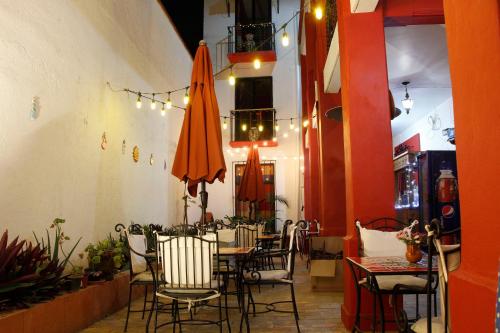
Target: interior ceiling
[(417, 53)]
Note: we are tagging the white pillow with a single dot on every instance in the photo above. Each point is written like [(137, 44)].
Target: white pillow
[(378, 243)]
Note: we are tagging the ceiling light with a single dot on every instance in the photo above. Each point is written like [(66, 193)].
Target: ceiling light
[(407, 101), (256, 63)]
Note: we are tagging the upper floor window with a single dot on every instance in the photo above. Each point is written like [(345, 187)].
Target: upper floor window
[(253, 28), (253, 108)]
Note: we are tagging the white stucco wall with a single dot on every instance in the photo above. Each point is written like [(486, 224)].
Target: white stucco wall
[(64, 52), (286, 102), (430, 139)]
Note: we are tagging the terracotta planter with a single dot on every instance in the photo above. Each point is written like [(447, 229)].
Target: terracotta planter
[(413, 253)]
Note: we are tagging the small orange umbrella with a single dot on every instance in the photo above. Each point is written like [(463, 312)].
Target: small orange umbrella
[(199, 156), (252, 183)]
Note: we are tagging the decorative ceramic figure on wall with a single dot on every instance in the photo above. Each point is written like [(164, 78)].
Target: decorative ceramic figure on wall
[(124, 146), (104, 141), (35, 108), (151, 160), (135, 154)]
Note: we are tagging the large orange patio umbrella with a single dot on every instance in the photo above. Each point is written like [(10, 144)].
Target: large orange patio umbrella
[(252, 183), (199, 157)]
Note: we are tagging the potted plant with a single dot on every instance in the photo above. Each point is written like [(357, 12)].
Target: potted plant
[(105, 257), (413, 240)]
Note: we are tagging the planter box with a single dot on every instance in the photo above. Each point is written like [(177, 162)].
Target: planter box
[(71, 312), (327, 274)]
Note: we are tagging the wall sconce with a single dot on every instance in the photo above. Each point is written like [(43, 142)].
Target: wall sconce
[(407, 101)]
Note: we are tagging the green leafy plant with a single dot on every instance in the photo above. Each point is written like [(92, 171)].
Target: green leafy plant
[(107, 256)]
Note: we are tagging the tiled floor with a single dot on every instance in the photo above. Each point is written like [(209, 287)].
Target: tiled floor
[(319, 312)]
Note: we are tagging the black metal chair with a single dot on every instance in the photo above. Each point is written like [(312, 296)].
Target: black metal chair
[(188, 277), (384, 285), (246, 235), (448, 257), (257, 277), (141, 270)]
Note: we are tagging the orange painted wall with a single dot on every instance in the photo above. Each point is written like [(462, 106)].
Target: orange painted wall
[(367, 131), (331, 145), (473, 36)]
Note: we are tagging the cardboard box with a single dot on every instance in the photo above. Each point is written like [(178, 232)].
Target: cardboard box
[(326, 274)]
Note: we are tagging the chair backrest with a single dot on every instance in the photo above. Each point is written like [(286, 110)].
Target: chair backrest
[(290, 267), (246, 235), (138, 247), (188, 261), (284, 233), (227, 236), (378, 237)]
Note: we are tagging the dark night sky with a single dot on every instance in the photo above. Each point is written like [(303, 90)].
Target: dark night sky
[(187, 16)]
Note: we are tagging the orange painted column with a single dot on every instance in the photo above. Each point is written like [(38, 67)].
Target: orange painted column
[(367, 132), (313, 211), (331, 145), (473, 36)]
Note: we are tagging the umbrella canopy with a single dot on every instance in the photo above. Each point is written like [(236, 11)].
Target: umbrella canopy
[(199, 156), (252, 183)]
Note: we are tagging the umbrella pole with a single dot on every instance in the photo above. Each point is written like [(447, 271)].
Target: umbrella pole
[(204, 202)]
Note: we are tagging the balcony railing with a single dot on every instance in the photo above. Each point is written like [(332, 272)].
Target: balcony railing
[(251, 37), (331, 19), (259, 123)]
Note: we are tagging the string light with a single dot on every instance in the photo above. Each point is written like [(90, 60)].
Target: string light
[(169, 102), (277, 127), (244, 127), (186, 97), (285, 41), (153, 103), (297, 129), (292, 125), (163, 112), (255, 146), (318, 12), (232, 78), (265, 143), (224, 124), (275, 139), (305, 123), (138, 103), (261, 127), (256, 63), (285, 135)]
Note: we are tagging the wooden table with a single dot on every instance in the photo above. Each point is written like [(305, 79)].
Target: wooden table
[(235, 251), (372, 267)]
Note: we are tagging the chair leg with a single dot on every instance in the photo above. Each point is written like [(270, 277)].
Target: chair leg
[(153, 302), (417, 311), (174, 308), (250, 299), (145, 298), (128, 306), (295, 312), (435, 304), (227, 311), (374, 313), (156, 313), (220, 315), (382, 315)]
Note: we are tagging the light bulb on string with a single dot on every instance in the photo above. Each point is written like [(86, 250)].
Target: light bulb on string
[(232, 78), (244, 127), (277, 127), (285, 135), (163, 112), (292, 125), (275, 139), (138, 103), (265, 143), (255, 146), (318, 12), (285, 41), (256, 63), (297, 129), (153, 103), (224, 124), (305, 123), (261, 127), (169, 102), (186, 97)]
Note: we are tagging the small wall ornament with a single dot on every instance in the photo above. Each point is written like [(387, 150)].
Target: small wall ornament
[(104, 141), (135, 154), (124, 146), (151, 160)]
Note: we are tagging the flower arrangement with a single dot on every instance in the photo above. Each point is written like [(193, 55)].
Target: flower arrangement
[(409, 237)]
